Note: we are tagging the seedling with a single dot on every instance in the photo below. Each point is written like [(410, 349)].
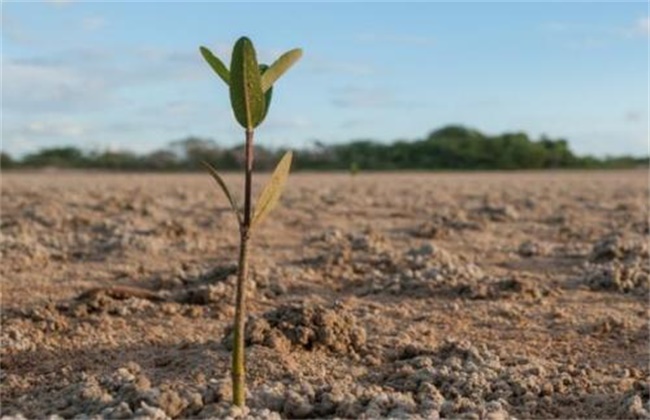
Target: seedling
[(251, 90), (354, 168)]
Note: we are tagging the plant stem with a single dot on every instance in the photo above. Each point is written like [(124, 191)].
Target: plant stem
[(238, 363), (238, 369)]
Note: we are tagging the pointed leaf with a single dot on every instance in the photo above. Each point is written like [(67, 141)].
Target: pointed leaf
[(272, 191), (226, 191), (280, 66), (246, 95), (216, 64), (268, 95)]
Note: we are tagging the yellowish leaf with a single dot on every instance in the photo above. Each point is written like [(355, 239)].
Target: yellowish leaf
[(279, 67), (226, 191), (271, 193)]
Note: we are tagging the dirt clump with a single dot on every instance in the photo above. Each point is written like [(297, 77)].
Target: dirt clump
[(496, 212), (618, 264), (443, 224), (532, 249), (310, 327), (617, 247)]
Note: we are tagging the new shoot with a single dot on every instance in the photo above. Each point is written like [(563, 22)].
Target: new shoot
[(251, 89)]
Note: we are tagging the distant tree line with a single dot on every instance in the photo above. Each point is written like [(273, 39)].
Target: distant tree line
[(449, 148)]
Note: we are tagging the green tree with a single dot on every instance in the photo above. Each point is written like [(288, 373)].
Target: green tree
[(118, 160), (6, 161), (161, 160), (63, 157), (194, 150)]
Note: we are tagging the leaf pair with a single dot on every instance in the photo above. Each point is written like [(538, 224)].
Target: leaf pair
[(269, 197), (251, 84)]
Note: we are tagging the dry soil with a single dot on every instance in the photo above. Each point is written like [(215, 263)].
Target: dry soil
[(477, 296)]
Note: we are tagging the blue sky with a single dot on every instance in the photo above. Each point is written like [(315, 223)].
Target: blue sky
[(128, 75)]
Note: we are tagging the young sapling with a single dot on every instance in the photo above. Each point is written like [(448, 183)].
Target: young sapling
[(251, 89)]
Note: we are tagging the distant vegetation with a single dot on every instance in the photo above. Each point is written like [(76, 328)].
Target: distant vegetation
[(449, 148)]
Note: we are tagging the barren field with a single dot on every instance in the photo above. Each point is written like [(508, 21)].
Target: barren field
[(476, 296)]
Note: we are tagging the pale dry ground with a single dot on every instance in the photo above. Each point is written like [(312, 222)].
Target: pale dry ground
[(542, 273)]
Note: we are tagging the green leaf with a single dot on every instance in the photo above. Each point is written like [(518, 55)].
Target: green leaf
[(271, 193), (226, 191), (246, 95), (216, 64), (280, 66), (268, 95)]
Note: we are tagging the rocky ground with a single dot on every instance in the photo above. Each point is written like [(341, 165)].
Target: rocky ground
[(477, 296)]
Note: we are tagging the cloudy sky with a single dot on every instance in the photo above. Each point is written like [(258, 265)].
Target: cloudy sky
[(128, 75)]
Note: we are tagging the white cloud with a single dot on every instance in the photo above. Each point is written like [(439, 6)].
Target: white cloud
[(93, 23), (355, 96), (25, 137), (568, 27), (14, 30), (55, 128), (353, 123), (642, 26), (586, 43), (59, 2), (172, 109), (590, 35), (83, 79), (288, 123), (97, 94), (33, 87), (153, 64), (635, 116)]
